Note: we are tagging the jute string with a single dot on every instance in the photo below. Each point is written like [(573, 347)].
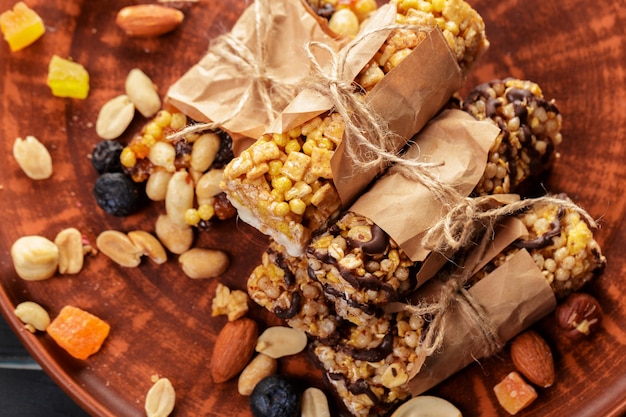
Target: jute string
[(454, 232), (252, 64)]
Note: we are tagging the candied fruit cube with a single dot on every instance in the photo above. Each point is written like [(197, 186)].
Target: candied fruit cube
[(67, 78), (514, 393), (21, 26), (79, 332)]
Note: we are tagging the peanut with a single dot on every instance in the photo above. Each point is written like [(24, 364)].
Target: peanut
[(179, 197), (200, 263), (177, 239), (279, 341), (71, 255), (114, 117), (314, 403), (34, 316), (35, 257), (204, 150), (148, 245), (260, 367), (142, 92), (118, 246), (208, 186), (33, 158), (156, 186), (160, 399)]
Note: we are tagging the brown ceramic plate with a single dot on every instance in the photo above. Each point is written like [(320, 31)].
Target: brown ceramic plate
[(160, 319)]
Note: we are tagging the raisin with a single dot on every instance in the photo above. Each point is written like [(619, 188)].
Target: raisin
[(275, 396), (106, 156), (225, 152), (117, 194), (223, 208)]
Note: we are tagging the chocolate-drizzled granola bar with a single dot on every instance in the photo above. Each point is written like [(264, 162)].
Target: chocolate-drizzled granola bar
[(530, 132), (360, 267), (368, 367)]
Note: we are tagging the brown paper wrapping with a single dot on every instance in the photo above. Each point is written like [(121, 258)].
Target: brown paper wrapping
[(406, 98), (457, 141), (514, 296), (212, 89)]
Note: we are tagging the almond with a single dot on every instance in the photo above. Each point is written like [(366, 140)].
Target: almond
[(233, 348), (148, 20), (532, 357)]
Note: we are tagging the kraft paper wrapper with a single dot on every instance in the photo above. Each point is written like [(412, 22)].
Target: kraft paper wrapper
[(455, 139), (406, 98), (514, 296), (211, 90)]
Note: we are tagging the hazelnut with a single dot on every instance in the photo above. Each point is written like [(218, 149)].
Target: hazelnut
[(578, 315)]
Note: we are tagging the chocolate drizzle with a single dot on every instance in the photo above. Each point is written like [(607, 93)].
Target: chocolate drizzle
[(293, 309), (374, 354)]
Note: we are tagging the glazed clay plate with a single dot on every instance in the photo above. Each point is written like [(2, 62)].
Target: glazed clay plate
[(161, 320)]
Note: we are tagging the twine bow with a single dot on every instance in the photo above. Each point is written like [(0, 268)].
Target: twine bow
[(273, 92)]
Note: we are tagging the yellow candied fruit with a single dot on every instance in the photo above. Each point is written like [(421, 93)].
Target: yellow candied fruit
[(67, 78), (21, 26)]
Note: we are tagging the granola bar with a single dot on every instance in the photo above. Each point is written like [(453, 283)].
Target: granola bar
[(530, 132), (360, 267), (368, 368), (281, 284), (461, 25)]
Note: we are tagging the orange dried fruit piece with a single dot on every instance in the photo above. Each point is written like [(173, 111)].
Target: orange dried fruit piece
[(67, 78), (21, 26), (514, 393), (79, 332)]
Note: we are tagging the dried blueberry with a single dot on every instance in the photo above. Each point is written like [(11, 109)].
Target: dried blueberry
[(106, 156), (225, 152), (275, 396), (117, 194)]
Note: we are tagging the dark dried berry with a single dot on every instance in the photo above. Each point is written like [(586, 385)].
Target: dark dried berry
[(225, 152), (275, 396), (117, 194), (106, 156)]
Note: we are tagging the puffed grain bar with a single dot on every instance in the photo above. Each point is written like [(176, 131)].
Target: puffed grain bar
[(360, 267), (282, 184), (461, 25), (281, 285), (366, 368), (562, 245), (530, 132), (369, 369)]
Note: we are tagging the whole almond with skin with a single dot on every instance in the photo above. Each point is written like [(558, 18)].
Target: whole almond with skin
[(148, 20), (233, 348), (532, 357)]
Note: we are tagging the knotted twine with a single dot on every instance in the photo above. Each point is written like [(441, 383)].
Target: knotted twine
[(272, 91)]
